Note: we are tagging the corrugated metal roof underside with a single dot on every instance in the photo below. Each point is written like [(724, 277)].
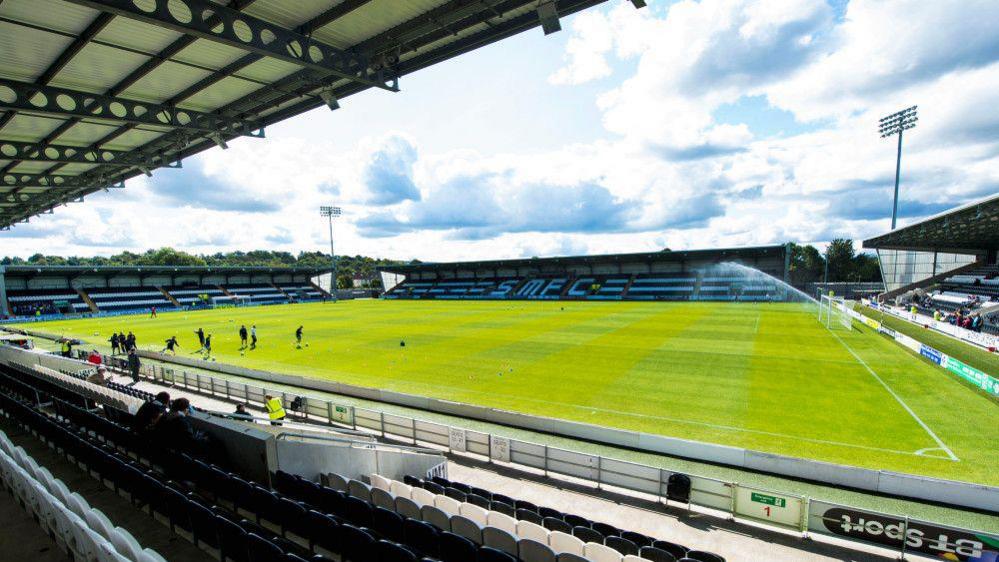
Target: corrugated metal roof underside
[(149, 63)]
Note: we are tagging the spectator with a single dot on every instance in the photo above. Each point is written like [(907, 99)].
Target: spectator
[(133, 365), (99, 377), (177, 432), (149, 412), (94, 358), (241, 412), (115, 347)]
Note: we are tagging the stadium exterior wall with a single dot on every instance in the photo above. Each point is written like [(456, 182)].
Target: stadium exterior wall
[(963, 494)]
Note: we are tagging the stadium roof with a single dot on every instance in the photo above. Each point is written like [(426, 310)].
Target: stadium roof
[(969, 228), (719, 255), (94, 92), (78, 270)]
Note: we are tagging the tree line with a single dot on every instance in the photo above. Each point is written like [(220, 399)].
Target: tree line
[(808, 265), (348, 267)]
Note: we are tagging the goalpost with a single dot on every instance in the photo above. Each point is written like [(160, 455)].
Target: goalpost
[(833, 313)]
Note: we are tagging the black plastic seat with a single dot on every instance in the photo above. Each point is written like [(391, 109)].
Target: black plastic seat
[(260, 549), (422, 536), (411, 480), (456, 549), (323, 531), (331, 501), (441, 481), (678, 551), (606, 530), (461, 487), (549, 512), (577, 521), (455, 493), (587, 534), (521, 504), (553, 524), (356, 545), (292, 517), (478, 500), (624, 546), (358, 511), (639, 539), (503, 507), (528, 515), (386, 551), (232, 539), (434, 488), (656, 554), (203, 525), (489, 554), (482, 492), (702, 556), (504, 499), (388, 524)]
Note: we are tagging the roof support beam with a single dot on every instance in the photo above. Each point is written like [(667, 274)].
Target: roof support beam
[(207, 20), (41, 152), (61, 102), (51, 181)]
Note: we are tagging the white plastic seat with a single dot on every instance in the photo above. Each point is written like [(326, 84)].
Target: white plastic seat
[(126, 545), (633, 558), (150, 555), (399, 489), (381, 482), (100, 523), (336, 481), (450, 506), (478, 514), (533, 531), (600, 553), (423, 497), (564, 542), (502, 521), (77, 505)]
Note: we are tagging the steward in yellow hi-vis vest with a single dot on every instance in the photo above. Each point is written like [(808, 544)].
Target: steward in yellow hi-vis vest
[(275, 409)]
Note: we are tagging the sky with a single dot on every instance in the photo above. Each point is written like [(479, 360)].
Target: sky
[(689, 124)]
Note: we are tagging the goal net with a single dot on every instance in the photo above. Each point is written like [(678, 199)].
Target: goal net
[(833, 313)]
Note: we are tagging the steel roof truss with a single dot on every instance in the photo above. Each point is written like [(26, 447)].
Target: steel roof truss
[(62, 102), (214, 22), (40, 152)]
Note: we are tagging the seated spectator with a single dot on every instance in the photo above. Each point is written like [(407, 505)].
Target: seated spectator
[(99, 376), (241, 412), (176, 431), (148, 413)]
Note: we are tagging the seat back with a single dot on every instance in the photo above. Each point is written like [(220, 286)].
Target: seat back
[(465, 527), (600, 553), (435, 517), (499, 539), (475, 513), (656, 554), (455, 548), (564, 542), (407, 508), (533, 531), (383, 498), (622, 545), (534, 551)]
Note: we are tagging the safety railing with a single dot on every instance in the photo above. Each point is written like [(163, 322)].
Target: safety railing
[(767, 507)]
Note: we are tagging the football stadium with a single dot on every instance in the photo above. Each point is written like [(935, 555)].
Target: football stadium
[(692, 405)]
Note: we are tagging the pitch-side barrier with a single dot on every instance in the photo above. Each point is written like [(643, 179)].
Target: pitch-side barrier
[(748, 503), (983, 381)]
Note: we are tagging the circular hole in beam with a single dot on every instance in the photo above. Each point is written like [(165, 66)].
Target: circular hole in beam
[(242, 31), (180, 11), (66, 102)]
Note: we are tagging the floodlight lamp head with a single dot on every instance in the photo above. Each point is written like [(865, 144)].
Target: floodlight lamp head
[(329, 211), (548, 14)]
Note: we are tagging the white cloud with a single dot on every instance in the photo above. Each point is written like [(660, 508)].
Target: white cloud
[(666, 173)]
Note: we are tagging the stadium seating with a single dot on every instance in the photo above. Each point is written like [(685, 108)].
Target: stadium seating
[(683, 286), (128, 298), (300, 291), (24, 302), (189, 295), (257, 293)]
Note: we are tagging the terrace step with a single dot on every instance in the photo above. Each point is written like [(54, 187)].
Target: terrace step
[(86, 298), (169, 297)]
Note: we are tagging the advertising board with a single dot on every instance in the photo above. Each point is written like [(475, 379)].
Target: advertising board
[(774, 508), (940, 541)]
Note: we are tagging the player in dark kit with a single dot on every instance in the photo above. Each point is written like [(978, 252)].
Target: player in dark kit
[(201, 339), (242, 337), (298, 338), (170, 344)]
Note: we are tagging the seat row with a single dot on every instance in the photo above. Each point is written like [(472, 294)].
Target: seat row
[(83, 532), (530, 516)]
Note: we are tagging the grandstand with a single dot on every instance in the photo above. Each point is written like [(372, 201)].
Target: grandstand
[(737, 274), (946, 263), (47, 291)]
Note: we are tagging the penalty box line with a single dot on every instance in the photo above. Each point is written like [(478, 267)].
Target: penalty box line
[(941, 445)]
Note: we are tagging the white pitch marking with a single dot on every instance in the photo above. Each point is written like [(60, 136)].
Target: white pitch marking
[(942, 445)]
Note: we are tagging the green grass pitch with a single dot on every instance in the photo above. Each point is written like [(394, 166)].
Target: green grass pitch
[(767, 377)]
